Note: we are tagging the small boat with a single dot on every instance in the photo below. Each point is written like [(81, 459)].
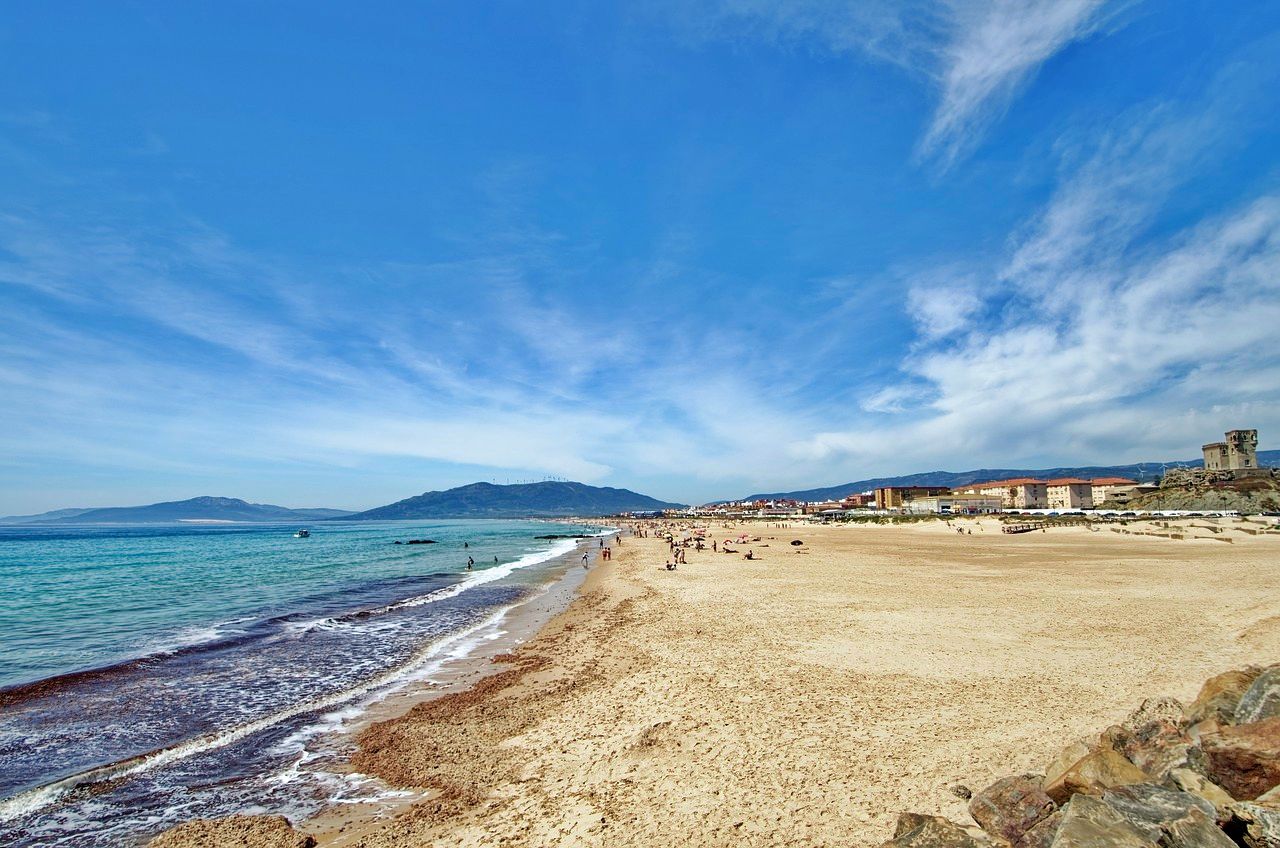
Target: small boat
[(302, 534)]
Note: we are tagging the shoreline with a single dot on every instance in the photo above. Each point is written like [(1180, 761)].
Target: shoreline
[(343, 824)]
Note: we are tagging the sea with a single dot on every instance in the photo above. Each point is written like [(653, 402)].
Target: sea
[(154, 674)]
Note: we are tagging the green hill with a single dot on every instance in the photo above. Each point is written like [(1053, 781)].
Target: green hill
[(522, 500)]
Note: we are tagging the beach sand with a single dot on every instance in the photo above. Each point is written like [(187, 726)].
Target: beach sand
[(807, 698)]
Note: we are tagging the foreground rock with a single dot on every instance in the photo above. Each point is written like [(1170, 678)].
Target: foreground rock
[(1011, 806), (1245, 760), (234, 832), (1261, 700), (917, 831), (1091, 823), (1093, 774), (1220, 696), (1202, 776)]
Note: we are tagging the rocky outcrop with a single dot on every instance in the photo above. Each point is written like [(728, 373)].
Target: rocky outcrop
[(1196, 488), (1206, 775), (234, 832)]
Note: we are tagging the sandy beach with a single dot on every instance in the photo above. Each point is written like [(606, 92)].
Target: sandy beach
[(806, 697)]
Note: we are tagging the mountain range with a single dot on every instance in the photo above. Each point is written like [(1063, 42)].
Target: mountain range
[(522, 500), (1141, 471), (204, 508)]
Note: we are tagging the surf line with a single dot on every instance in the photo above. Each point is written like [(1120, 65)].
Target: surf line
[(42, 796)]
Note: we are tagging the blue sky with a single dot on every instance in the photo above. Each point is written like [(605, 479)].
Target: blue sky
[(701, 248)]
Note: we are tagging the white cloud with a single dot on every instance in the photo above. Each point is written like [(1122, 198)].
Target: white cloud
[(976, 54), (943, 307), (992, 49), (1109, 341)]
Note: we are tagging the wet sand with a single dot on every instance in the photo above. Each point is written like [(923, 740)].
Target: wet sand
[(807, 698)]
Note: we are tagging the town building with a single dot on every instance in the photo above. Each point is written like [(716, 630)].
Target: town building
[(1103, 487), (897, 497), (956, 504), (1069, 493), (1239, 451), (1020, 493)]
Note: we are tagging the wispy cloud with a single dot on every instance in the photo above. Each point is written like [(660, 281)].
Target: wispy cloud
[(1091, 336), (976, 54)]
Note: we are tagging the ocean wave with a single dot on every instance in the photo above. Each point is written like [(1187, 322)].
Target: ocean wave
[(425, 661)]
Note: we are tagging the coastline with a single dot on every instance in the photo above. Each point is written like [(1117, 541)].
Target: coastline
[(663, 707), (460, 672)]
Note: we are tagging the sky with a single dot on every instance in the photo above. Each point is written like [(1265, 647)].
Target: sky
[(322, 256)]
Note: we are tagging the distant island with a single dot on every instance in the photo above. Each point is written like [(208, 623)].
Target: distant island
[(205, 508), (1143, 471), (548, 499)]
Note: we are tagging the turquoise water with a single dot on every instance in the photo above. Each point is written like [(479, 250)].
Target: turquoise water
[(190, 669)]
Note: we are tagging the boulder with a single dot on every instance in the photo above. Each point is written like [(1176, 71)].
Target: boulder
[(1093, 774), (919, 831), (1196, 829), (1067, 757), (1262, 699), (1254, 826), (1160, 746), (1220, 695), (1154, 709), (234, 832), (1042, 835), (1196, 783), (1011, 806), (1245, 759), (1149, 807), (1089, 823)]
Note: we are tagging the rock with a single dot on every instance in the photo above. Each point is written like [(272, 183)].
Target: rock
[(1220, 695), (1154, 709), (1094, 773), (1041, 836), (1269, 799), (1089, 823), (1195, 830), (1160, 746), (1011, 806), (917, 831), (1197, 784), (1262, 699), (1245, 759), (1254, 826), (1150, 807), (1067, 757), (234, 832)]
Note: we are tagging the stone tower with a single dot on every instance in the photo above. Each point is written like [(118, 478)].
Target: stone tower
[(1242, 449)]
